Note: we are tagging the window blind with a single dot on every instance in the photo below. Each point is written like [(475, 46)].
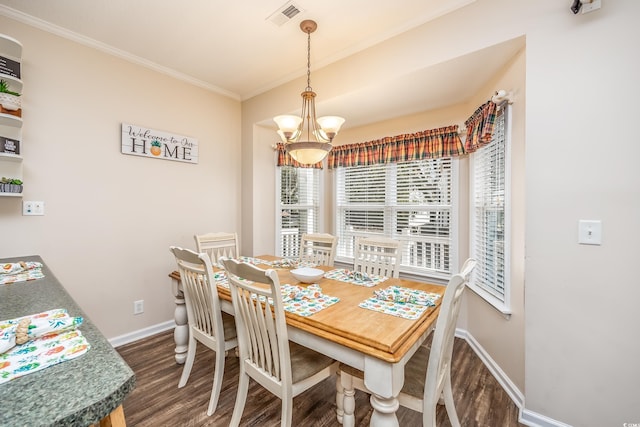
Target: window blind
[(489, 194), (298, 207), (410, 202)]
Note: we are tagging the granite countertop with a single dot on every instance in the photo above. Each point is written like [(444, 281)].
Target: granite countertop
[(77, 392)]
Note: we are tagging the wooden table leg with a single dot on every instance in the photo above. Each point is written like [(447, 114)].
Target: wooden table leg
[(114, 419), (181, 331)]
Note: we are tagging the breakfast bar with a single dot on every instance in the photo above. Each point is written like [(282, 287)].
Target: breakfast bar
[(82, 391)]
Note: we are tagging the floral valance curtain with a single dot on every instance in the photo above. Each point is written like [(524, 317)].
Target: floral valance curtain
[(284, 159), (442, 142), (480, 126)]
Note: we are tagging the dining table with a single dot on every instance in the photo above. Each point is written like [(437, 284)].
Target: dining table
[(375, 342)]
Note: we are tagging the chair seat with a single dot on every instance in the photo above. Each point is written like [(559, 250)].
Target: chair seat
[(306, 362), (414, 373)]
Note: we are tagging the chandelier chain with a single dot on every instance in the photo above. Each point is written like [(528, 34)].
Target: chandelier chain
[(309, 61)]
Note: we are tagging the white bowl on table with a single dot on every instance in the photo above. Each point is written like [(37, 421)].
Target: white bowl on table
[(307, 274)]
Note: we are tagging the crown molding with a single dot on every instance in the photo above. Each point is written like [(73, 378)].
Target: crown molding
[(110, 50)]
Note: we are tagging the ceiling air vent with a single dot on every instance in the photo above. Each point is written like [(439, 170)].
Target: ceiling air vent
[(284, 14)]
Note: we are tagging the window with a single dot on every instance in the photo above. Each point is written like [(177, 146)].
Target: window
[(490, 221), (298, 191), (411, 202)]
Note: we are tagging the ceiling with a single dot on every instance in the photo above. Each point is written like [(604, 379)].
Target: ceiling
[(236, 48)]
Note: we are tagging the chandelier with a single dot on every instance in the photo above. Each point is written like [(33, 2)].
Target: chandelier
[(307, 139)]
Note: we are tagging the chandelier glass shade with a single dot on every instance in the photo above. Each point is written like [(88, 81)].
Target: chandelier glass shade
[(308, 139)]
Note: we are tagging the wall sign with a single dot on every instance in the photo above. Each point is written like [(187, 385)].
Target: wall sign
[(9, 67), (9, 146), (139, 141)]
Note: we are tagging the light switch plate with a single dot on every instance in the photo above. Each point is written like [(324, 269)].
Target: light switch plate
[(32, 208), (589, 232)]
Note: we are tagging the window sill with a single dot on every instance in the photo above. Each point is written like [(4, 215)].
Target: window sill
[(499, 305)]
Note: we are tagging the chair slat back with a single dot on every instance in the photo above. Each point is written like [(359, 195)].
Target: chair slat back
[(439, 365), (218, 245), (200, 292), (260, 321), (319, 249), (379, 256)]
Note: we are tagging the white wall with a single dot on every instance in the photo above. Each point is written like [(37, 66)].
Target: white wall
[(110, 218), (580, 302), (582, 163)]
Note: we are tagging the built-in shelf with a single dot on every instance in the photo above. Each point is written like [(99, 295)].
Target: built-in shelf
[(10, 47), (10, 124), (10, 157), (14, 83), (10, 120)]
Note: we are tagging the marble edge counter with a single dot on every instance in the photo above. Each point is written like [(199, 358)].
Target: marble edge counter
[(78, 392)]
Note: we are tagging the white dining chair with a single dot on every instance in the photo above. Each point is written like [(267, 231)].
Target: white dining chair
[(284, 368), (217, 245), (318, 248), (207, 323), (427, 375), (377, 255)]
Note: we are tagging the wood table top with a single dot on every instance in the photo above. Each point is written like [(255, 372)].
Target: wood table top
[(380, 335)]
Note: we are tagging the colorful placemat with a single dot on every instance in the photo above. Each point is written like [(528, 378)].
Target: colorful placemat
[(22, 271), (42, 353), (52, 336), (39, 324), (355, 277), (303, 301), (400, 302), (401, 294), (221, 278), (398, 309)]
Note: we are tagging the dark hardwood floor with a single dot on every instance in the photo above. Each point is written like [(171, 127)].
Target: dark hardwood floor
[(157, 401)]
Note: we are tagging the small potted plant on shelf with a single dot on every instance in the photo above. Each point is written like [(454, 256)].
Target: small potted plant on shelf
[(10, 185), (8, 99)]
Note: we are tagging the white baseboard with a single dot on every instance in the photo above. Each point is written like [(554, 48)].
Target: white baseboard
[(142, 333), (530, 418), (514, 393), (526, 416)]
